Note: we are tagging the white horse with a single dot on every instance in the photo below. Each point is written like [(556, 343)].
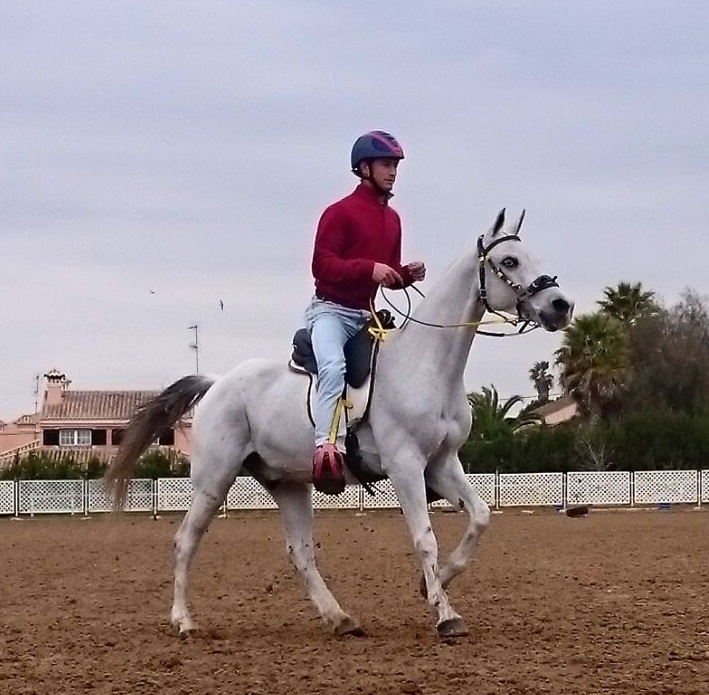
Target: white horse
[(255, 420)]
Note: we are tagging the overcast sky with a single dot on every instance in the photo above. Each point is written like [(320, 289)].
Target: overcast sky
[(188, 148)]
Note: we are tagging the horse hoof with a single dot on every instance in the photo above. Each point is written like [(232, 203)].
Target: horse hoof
[(187, 632), (452, 628), (350, 627)]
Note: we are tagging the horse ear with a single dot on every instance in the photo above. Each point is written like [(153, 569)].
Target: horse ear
[(499, 222), (519, 224)]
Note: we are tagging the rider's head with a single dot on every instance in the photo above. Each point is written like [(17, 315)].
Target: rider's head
[(375, 157)]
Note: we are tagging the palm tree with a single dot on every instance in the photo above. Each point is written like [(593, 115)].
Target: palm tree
[(627, 302), (492, 419), (594, 361), (542, 380)]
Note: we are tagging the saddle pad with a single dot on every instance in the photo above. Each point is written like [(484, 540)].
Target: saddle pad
[(357, 398)]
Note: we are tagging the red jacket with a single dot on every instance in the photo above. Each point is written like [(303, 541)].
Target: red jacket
[(354, 234)]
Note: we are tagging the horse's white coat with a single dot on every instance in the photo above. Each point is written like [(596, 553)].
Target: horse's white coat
[(418, 420)]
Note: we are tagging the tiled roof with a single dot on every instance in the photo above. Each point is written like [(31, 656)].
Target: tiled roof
[(96, 405), (554, 406)]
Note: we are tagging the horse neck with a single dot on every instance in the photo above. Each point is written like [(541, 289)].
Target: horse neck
[(455, 299)]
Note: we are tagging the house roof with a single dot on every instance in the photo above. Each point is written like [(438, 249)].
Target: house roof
[(554, 406), (97, 405)]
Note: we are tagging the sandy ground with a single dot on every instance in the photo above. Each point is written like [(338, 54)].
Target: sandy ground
[(612, 603)]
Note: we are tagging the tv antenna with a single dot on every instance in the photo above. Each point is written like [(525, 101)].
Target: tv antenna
[(195, 345)]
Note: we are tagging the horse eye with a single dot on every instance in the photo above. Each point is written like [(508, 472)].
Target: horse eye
[(510, 262)]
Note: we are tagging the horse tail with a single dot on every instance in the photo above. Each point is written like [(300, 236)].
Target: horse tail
[(162, 411)]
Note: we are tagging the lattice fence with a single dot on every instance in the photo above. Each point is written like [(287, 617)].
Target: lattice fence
[(531, 489), (246, 493), (484, 484), (138, 499), (598, 487), (385, 497), (173, 494), (656, 487), (505, 490), (351, 498), (7, 497), (51, 496)]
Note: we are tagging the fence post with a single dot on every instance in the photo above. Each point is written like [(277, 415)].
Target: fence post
[(564, 491)]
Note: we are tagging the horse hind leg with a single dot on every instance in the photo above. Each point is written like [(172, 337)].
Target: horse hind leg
[(211, 483), (449, 480), (295, 504)]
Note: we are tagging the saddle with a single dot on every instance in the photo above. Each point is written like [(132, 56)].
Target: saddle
[(358, 351)]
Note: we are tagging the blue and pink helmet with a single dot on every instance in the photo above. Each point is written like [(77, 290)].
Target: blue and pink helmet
[(375, 145)]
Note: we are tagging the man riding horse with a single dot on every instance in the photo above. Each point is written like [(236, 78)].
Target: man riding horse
[(357, 249)]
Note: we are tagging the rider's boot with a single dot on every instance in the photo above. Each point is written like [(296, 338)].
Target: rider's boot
[(328, 470)]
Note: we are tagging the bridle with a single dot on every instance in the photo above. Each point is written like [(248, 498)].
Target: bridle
[(523, 294)]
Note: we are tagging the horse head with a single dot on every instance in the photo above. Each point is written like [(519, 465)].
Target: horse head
[(509, 281)]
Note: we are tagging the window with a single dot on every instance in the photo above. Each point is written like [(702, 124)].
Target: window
[(74, 437), (166, 436), (50, 437), (117, 436), (98, 437)]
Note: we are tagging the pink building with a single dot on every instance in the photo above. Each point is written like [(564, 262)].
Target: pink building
[(84, 424)]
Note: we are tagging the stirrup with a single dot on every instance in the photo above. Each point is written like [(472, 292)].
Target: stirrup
[(328, 470)]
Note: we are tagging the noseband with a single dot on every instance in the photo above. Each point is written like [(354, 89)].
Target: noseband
[(523, 294)]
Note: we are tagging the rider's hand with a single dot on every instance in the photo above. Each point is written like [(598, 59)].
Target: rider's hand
[(417, 270), (384, 275)]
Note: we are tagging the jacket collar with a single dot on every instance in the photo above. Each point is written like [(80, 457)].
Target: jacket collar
[(367, 192)]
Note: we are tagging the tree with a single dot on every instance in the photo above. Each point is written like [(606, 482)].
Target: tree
[(594, 363), (669, 352), (627, 302), (542, 380), (492, 419), (494, 437)]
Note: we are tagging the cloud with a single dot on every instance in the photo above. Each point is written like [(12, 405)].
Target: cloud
[(190, 147)]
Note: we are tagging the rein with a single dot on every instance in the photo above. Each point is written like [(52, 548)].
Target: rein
[(543, 282)]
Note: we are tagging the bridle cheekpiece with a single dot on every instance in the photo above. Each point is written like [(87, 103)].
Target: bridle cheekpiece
[(523, 294)]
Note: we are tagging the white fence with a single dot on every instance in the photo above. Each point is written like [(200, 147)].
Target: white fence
[(612, 488)]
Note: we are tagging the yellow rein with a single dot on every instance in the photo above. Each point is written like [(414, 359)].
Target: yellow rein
[(379, 333)]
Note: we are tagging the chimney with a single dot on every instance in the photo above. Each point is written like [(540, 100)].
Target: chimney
[(57, 383)]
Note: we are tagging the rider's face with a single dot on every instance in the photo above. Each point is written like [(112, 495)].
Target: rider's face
[(383, 171)]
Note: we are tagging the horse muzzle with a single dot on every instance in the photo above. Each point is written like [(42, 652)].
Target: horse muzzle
[(554, 314)]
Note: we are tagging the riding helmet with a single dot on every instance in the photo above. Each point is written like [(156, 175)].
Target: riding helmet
[(374, 145)]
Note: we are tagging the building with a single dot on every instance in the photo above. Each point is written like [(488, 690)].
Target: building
[(557, 411), (84, 424)]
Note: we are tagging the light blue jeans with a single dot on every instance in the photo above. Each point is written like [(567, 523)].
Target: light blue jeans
[(331, 325)]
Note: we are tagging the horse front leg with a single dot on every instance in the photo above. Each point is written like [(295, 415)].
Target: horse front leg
[(447, 478), (407, 477), (296, 507)]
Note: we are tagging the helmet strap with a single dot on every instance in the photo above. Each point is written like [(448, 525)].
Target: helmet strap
[(377, 188)]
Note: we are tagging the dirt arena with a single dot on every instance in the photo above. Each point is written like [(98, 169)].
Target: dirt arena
[(616, 602)]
